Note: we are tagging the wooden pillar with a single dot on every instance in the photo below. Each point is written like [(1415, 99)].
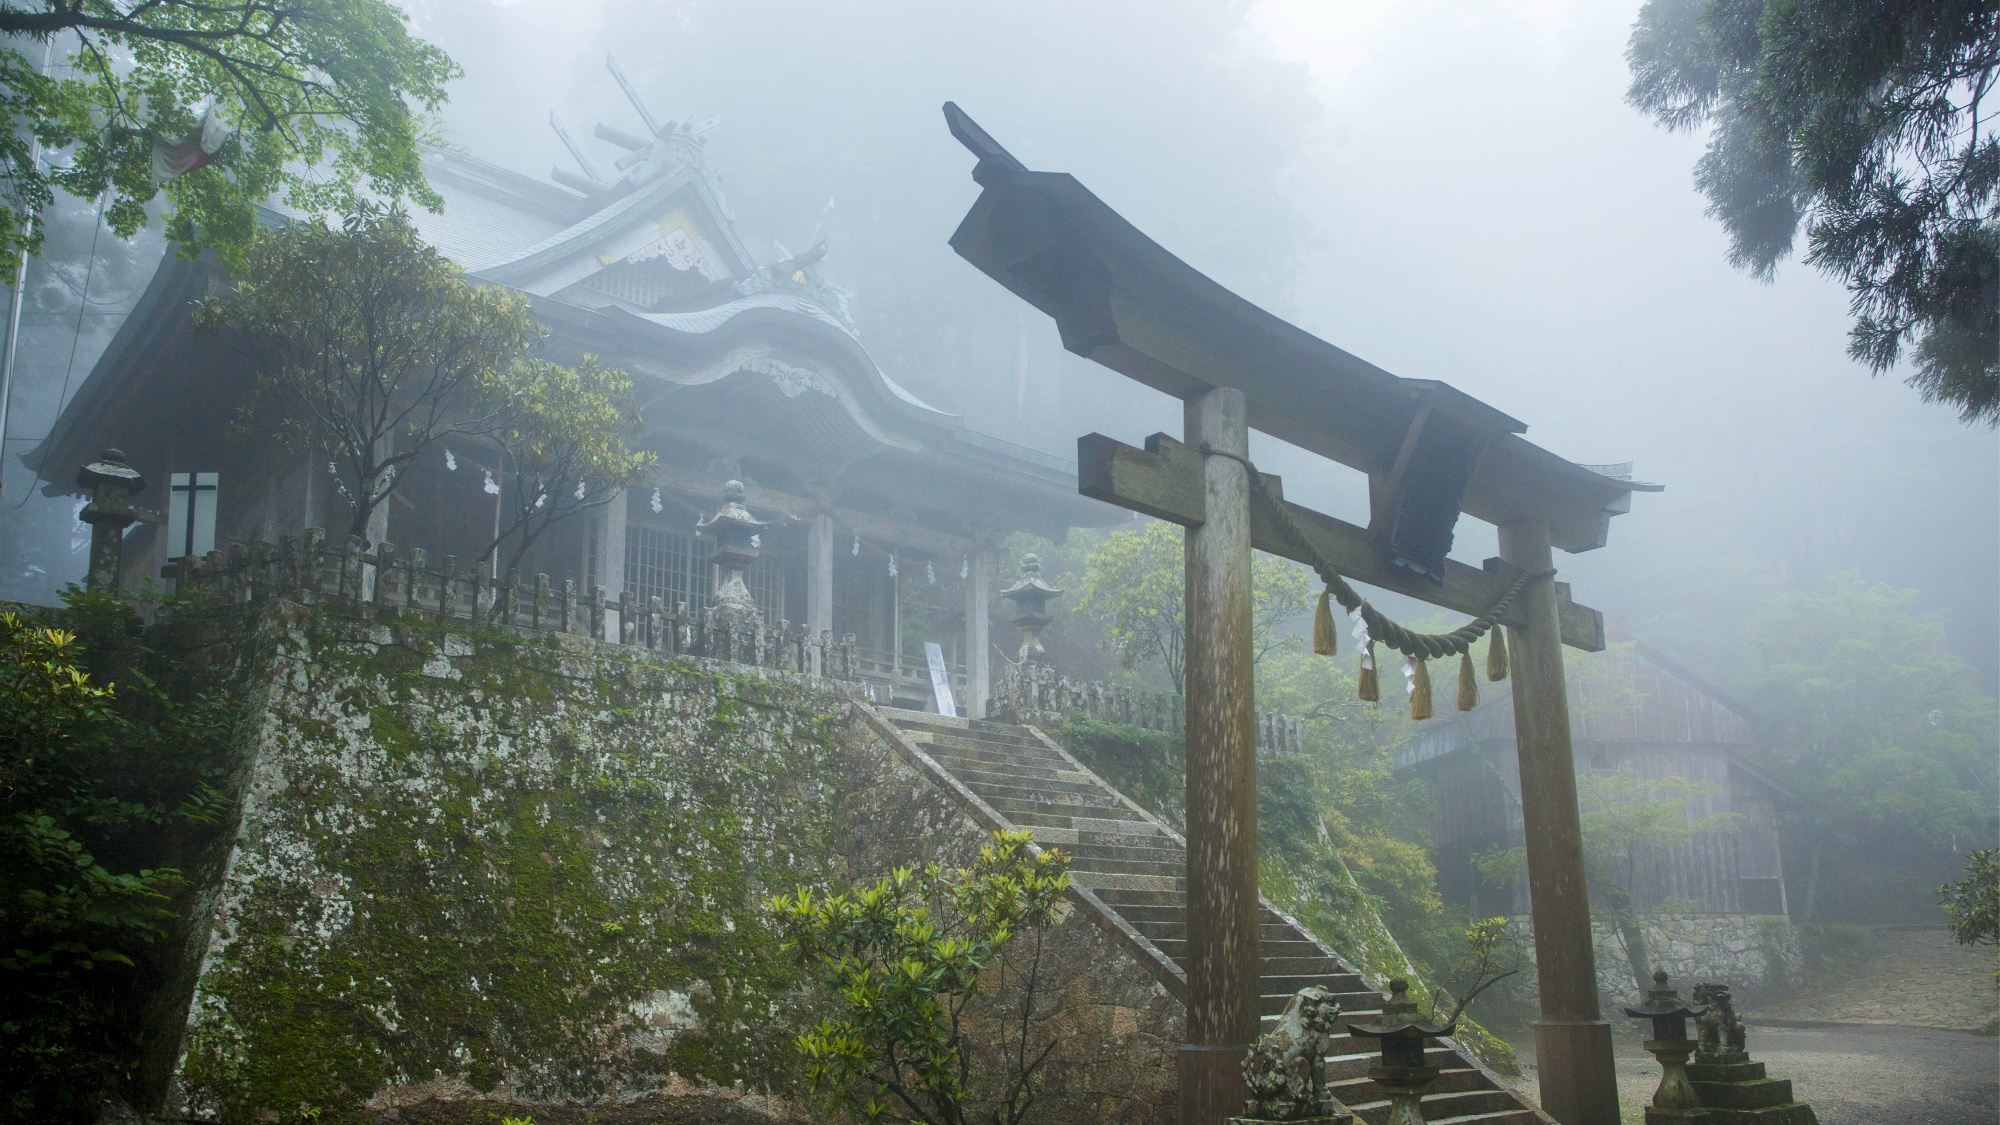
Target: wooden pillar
[(978, 638), (611, 525), (819, 576), (1572, 1040), (1222, 957)]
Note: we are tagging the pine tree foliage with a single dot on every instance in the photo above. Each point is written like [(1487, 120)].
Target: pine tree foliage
[(1868, 122)]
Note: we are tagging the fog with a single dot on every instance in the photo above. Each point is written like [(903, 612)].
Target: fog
[(1450, 196)]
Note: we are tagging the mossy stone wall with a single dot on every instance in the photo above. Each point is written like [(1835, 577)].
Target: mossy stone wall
[(481, 865)]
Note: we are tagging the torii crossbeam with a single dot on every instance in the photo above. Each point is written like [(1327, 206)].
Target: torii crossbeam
[(1430, 452)]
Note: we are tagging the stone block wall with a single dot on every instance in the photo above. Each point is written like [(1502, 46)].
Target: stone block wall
[(480, 865), (1750, 953), (514, 869)]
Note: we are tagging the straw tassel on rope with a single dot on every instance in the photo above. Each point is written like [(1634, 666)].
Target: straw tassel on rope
[(1369, 689), (1420, 689), (1326, 642), (1468, 682), (1496, 655)]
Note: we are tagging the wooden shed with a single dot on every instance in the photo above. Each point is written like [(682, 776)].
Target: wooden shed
[(1631, 708)]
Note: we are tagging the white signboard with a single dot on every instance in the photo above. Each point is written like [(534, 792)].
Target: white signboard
[(940, 679)]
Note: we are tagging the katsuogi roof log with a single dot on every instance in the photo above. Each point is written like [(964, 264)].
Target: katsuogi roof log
[(1121, 299)]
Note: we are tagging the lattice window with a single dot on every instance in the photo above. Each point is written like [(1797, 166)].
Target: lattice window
[(673, 567)]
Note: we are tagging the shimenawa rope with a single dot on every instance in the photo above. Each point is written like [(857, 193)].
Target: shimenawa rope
[(1417, 647)]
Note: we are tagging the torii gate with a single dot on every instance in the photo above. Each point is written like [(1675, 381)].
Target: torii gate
[(1430, 452)]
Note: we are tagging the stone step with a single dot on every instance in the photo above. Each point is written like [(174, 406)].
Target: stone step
[(1352, 1057), (1353, 1005), (1113, 881), (1454, 1080), (996, 759), (1128, 866), (1035, 819), (1474, 1104), (1175, 933), (1048, 803), (1128, 833), (1053, 797), (1516, 1116), (1318, 966), (1173, 911), (1288, 984), (936, 726), (1139, 871), (1154, 849), (1278, 955)]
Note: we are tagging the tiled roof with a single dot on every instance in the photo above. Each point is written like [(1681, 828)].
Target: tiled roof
[(476, 230)]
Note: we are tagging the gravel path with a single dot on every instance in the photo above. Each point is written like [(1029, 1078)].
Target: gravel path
[(1849, 1075)]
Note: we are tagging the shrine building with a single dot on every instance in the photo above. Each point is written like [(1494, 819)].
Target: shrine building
[(884, 509)]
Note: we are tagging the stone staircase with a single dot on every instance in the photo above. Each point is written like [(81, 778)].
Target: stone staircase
[(1132, 868)]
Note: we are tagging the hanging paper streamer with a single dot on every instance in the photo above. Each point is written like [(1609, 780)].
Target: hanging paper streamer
[(965, 567), (491, 487), (930, 573), (856, 552), (580, 490), (892, 564), (756, 540), (657, 506), (450, 462), (541, 500)]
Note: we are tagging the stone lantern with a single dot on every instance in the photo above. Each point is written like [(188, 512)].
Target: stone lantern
[(1402, 1073), (1675, 1101), (1031, 597), (112, 484), (736, 533)]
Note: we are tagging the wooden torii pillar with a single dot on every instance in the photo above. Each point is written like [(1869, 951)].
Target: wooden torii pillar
[(1431, 453)]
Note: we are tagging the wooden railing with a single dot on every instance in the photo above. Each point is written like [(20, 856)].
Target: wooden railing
[(1033, 692), (310, 568)]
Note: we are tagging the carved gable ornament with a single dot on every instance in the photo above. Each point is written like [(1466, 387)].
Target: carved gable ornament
[(792, 381)]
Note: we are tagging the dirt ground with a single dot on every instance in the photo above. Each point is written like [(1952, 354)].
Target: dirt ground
[(1916, 977), (1849, 1075)]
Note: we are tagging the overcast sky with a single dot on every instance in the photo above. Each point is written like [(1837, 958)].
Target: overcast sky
[(1450, 191)]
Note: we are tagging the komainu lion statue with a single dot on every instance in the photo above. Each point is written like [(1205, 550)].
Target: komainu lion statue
[(1722, 1034), (1286, 1070)]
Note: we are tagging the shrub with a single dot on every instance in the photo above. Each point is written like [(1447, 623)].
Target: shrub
[(104, 777), (906, 957)]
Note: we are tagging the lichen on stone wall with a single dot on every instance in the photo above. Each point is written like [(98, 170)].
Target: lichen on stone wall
[(524, 870)]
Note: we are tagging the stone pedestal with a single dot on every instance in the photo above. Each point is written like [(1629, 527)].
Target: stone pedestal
[(1341, 1118), (1405, 1086), (1674, 1103), (1740, 1093)]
